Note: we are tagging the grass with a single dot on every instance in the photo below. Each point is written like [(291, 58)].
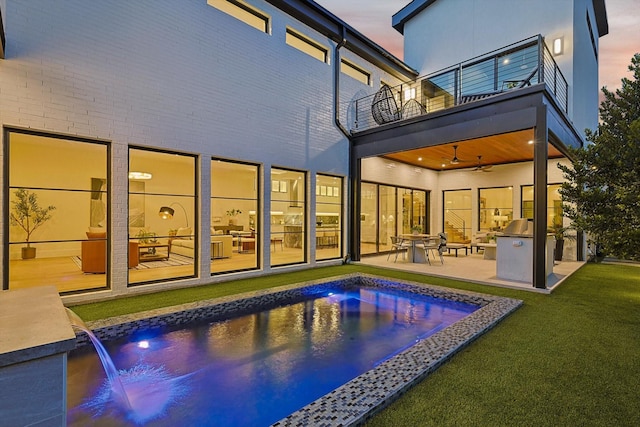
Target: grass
[(569, 358)]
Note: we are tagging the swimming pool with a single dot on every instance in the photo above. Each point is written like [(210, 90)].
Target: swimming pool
[(263, 366)]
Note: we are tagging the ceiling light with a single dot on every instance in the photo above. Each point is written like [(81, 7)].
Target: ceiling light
[(419, 159), (530, 142), (140, 175)]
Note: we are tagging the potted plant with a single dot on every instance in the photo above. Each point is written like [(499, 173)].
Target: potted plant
[(416, 229), (145, 236), (561, 234), (29, 216), (231, 213)]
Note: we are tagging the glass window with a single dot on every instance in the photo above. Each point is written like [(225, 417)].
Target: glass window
[(244, 12), (162, 215), (457, 215), (235, 216), (58, 212), (368, 218), (388, 223), (496, 208), (356, 72), (329, 197), (413, 208), (306, 45), (388, 211), (554, 204), (288, 201)]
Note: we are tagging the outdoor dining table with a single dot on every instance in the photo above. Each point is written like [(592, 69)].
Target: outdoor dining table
[(414, 239)]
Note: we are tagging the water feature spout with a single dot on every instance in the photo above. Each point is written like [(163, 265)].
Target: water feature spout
[(142, 392), (109, 368)]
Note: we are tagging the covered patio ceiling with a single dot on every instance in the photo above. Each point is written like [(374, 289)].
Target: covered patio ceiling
[(512, 147)]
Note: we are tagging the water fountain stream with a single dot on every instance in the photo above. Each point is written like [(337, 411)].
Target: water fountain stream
[(142, 392), (109, 368)]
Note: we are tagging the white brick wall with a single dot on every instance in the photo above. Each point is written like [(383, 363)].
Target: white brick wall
[(181, 77)]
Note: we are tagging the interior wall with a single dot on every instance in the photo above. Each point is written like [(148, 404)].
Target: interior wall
[(378, 170)]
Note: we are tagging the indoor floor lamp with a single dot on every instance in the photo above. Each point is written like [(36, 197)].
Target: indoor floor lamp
[(166, 212)]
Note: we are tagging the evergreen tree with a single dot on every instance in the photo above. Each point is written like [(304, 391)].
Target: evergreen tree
[(602, 189)]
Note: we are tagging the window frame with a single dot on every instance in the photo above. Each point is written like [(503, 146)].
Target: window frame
[(312, 45), (355, 71), (239, 10)]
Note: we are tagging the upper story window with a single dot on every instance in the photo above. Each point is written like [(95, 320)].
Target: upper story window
[(244, 12), (307, 45), (356, 72)]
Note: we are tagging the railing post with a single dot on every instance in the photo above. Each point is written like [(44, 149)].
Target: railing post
[(356, 117), (457, 85), (540, 58)]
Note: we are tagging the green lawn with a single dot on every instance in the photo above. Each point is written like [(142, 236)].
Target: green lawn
[(565, 359)]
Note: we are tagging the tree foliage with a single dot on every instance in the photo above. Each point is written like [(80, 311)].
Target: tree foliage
[(27, 213), (602, 188)]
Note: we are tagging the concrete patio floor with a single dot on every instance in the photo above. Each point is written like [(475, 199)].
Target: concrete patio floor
[(472, 268)]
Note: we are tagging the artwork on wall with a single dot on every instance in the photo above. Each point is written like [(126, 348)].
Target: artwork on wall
[(283, 186), (323, 190), (336, 191), (330, 191), (275, 186), (136, 204), (98, 207)]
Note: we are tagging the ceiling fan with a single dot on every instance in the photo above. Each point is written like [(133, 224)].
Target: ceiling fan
[(455, 160), (482, 168)]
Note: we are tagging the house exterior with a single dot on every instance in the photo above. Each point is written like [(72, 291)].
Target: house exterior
[(219, 140)]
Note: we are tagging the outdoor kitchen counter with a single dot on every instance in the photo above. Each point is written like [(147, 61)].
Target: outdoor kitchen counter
[(514, 258)]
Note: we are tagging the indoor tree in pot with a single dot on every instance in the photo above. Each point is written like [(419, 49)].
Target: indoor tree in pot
[(29, 216)]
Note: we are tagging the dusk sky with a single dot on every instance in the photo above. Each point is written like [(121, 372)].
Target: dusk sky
[(373, 19)]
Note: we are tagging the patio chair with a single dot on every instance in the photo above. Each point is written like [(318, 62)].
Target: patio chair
[(397, 247), (435, 246), (384, 108)]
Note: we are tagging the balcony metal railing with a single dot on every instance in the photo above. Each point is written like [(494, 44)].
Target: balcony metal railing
[(512, 67)]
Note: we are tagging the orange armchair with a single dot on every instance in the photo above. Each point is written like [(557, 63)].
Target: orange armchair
[(94, 255)]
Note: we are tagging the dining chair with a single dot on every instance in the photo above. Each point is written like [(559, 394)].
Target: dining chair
[(397, 246)]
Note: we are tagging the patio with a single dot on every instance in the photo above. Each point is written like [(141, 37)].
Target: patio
[(472, 268)]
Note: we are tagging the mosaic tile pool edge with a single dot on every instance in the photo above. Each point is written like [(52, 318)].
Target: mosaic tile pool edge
[(359, 399)]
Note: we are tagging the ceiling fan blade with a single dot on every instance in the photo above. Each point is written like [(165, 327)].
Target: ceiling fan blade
[(482, 168)]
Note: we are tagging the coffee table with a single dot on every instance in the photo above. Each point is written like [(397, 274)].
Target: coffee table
[(153, 251)]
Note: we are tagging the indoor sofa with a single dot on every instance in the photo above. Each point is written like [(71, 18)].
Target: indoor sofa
[(183, 244)]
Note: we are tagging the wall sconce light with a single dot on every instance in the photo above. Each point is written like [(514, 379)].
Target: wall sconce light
[(557, 46), (166, 212)]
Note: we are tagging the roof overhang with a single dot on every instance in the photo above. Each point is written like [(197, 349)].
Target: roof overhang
[(2, 37), (601, 17), (409, 11), (326, 23)]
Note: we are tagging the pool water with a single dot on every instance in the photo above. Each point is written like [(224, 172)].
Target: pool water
[(255, 369)]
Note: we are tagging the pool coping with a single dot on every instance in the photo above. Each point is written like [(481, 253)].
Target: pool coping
[(359, 399)]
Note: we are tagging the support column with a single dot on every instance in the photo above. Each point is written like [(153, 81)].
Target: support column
[(354, 202), (540, 166)]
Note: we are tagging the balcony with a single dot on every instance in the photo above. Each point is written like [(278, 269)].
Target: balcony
[(510, 68)]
